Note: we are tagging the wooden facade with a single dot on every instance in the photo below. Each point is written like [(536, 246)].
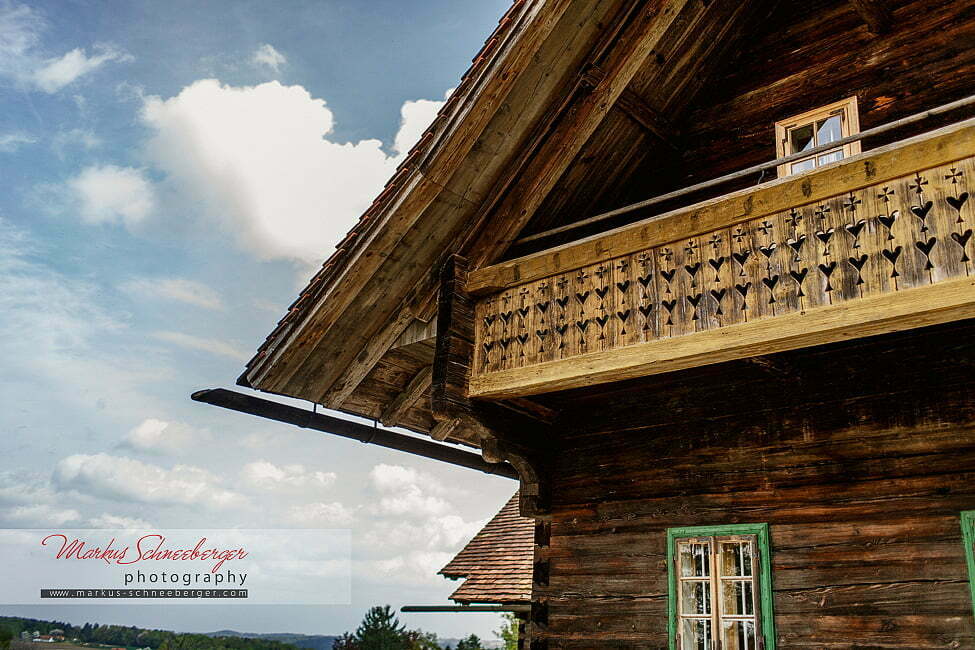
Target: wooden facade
[(790, 355), (859, 456)]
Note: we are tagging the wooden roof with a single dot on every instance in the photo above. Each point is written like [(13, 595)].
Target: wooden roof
[(560, 109), (497, 563)]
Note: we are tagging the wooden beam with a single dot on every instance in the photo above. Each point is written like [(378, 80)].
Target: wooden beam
[(906, 309), (645, 116), (502, 434), (899, 159), (620, 64), (876, 13), (416, 332), (366, 360), (403, 402)]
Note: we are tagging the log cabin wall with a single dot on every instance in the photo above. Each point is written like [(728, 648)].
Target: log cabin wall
[(813, 53), (860, 456), (792, 58)]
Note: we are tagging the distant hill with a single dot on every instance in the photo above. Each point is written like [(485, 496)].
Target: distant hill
[(317, 641), (313, 641)]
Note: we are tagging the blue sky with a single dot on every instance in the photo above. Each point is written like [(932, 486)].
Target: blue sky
[(172, 173)]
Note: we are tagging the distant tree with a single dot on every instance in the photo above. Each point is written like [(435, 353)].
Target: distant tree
[(6, 636), (381, 630), (508, 633), (345, 642), (420, 640), (470, 643)]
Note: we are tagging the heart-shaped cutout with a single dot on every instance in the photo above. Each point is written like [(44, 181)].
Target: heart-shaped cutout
[(858, 262), (926, 246), (741, 257), (921, 211), (962, 238), (892, 256), (957, 202)]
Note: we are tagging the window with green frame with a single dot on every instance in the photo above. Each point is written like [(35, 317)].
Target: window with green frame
[(968, 538), (720, 588)]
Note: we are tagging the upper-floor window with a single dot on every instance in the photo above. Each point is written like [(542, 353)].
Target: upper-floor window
[(816, 128), (720, 588)]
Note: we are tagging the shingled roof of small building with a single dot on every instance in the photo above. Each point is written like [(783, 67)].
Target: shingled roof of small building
[(497, 563)]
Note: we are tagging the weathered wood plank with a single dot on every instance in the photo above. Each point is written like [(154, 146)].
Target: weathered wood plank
[(876, 13), (417, 387)]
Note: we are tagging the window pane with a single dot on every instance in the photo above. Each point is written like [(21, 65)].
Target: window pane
[(736, 559), (829, 130), (803, 165), (695, 598), (801, 138), (830, 156), (737, 597), (696, 634), (738, 635), (695, 559)]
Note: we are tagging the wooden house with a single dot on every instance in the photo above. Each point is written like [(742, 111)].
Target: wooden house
[(701, 272)]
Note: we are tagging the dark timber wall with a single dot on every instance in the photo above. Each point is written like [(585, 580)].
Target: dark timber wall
[(859, 455), (816, 52)]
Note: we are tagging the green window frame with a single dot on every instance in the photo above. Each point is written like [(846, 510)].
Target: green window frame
[(758, 535), (968, 538)]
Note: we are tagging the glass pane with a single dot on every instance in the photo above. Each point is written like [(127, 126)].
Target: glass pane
[(695, 559), (803, 165), (737, 597), (738, 635), (830, 156), (829, 130), (736, 558), (695, 598), (801, 138), (696, 634)]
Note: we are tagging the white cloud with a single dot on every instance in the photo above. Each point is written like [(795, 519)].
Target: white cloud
[(11, 142), (110, 194), (57, 73), (125, 479), (23, 487), (320, 515), (159, 436), (178, 289), (218, 347), (22, 61), (260, 161), (415, 117), (266, 55), (75, 138), (117, 521), (41, 515), (268, 476), (407, 492)]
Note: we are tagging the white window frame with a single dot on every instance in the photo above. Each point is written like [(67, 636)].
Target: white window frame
[(849, 125)]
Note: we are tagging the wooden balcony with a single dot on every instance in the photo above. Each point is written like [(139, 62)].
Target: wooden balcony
[(877, 243)]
